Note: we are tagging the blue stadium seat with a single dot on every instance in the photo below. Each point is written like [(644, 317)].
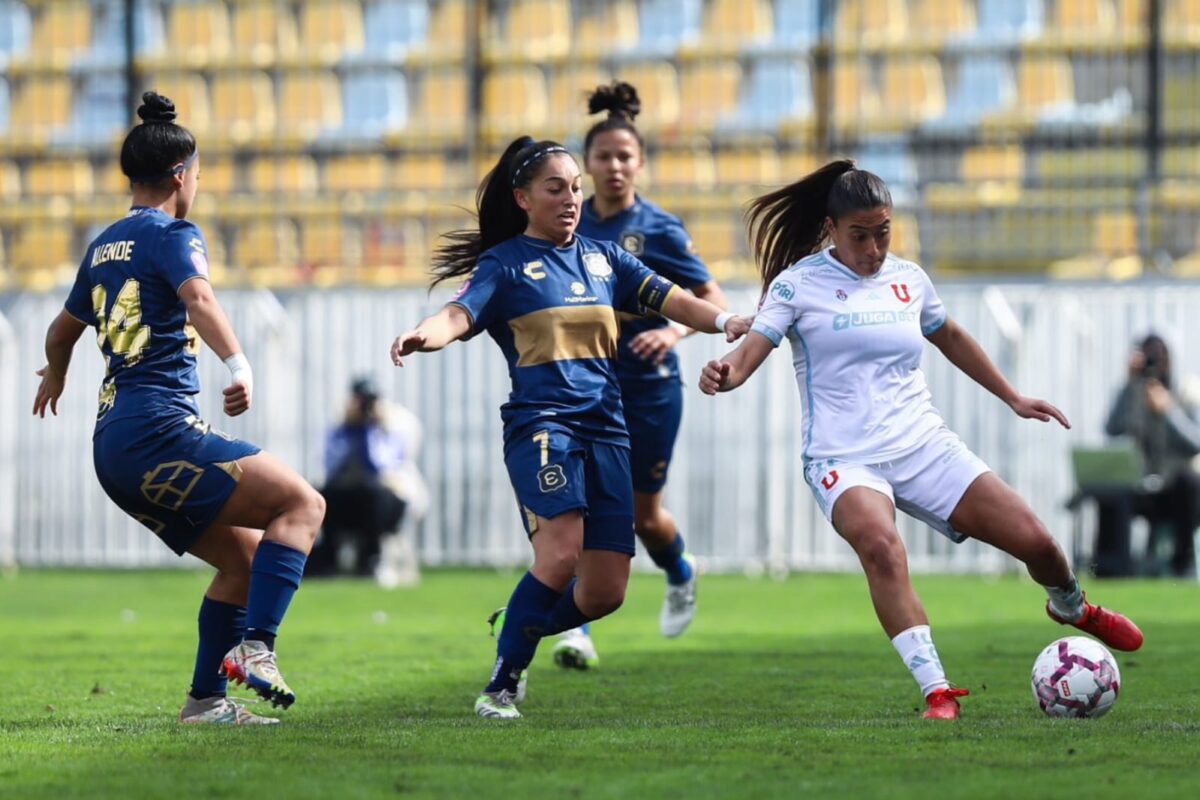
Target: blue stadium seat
[(797, 23), (393, 26), (984, 85), (895, 164), (108, 33), (16, 30), (664, 24), (375, 103), (100, 111), (5, 104), (778, 89), (1010, 20)]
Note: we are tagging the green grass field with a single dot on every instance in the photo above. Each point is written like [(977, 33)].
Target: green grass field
[(780, 689)]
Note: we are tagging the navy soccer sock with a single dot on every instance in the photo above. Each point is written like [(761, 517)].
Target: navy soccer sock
[(566, 614), (525, 623), (222, 626), (670, 560), (274, 577)]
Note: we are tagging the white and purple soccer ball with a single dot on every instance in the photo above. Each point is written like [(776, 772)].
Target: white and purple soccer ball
[(1076, 677)]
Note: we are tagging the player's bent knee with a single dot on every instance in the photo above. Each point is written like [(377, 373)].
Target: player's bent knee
[(600, 601), (883, 555)]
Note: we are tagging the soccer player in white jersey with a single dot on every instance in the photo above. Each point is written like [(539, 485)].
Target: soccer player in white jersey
[(857, 319)]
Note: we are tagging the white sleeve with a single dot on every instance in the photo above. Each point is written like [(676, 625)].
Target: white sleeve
[(778, 311), (933, 313)]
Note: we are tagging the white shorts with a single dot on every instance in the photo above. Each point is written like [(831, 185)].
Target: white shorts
[(926, 483)]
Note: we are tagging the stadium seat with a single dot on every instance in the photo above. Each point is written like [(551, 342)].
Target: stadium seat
[(1009, 20), (906, 237), (709, 93), (1044, 83), (108, 34), (243, 105), (54, 178), (41, 107), (748, 166), (657, 83), (984, 85), (330, 30), (1115, 233), (395, 251), (682, 169), (288, 175), (936, 21), (716, 237), (1180, 22), (448, 28), (1181, 161), (1181, 103), (263, 32), (871, 23), (530, 31), (5, 107), (514, 102), (569, 90), (267, 243), (604, 28), (375, 102), (330, 242), (61, 31), (797, 24), (309, 103), (664, 25), (731, 25), (795, 164), (197, 33), (989, 163), (16, 32), (1092, 165), (355, 173), (855, 98), (443, 104), (894, 163), (912, 91), (219, 175), (10, 180), (42, 253), (189, 93), (392, 27), (420, 172), (777, 92), (101, 112)]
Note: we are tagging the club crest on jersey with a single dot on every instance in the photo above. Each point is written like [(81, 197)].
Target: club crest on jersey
[(597, 264), (841, 294), (634, 242), (782, 290), (901, 292), (551, 478)]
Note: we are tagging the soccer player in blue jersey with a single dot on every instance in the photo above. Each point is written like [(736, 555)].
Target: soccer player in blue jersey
[(550, 300), (143, 285), (647, 366)]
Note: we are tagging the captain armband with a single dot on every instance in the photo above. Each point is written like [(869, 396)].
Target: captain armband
[(654, 292)]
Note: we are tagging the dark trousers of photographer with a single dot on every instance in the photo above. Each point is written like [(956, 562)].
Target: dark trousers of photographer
[(1176, 506), (366, 512)]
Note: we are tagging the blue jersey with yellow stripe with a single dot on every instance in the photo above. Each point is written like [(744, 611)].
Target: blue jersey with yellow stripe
[(128, 289), (660, 241), (553, 312)]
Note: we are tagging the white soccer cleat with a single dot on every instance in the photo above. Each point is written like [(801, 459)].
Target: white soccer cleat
[(679, 607), (497, 705), (220, 711), (252, 663), (575, 650)]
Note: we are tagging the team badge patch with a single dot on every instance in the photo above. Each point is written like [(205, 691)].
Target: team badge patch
[(597, 265), (633, 242), (551, 478)]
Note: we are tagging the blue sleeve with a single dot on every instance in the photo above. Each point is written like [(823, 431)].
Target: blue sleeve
[(79, 301), (182, 254), (479, 296), (639, 289), (680, 263)]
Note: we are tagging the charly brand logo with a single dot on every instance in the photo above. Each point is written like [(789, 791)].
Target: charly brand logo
[(535, 270), (782, 290), (634, 242), (597, 265), (901, 292)]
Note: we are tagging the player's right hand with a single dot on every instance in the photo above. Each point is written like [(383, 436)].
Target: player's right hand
[(714, 375), (406, 344), (237, 399), (50, 389)]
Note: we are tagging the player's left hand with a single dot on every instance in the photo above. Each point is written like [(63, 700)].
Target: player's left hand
[(405, 345), (237, 399), (1033, 408), (654, 344), (50, 389), (737, 327)]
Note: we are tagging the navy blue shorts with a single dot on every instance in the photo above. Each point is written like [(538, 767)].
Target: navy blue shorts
[(652, 414), (173, 475), (553, 472)]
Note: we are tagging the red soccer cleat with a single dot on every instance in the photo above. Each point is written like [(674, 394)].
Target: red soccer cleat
[(943, 703), (1115, 630)]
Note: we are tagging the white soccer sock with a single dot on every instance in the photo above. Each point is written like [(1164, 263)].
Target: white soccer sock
[(916, 650), (1067, 600)]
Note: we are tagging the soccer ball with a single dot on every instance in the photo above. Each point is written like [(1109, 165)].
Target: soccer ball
[(1076, 677)]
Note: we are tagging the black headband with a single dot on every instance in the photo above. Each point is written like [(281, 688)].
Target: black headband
[(534, 156)]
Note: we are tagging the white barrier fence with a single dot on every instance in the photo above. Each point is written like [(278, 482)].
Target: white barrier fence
[(736, 485)]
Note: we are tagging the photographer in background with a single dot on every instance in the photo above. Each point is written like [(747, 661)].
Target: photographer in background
[(1151, 412)]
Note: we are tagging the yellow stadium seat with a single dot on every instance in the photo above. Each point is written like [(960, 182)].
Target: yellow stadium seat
[(286, 174), (755, 167), (420, 172), (683, 169), (442, 109), (448, 29), (1181, 103), (220, 176), (197, 33), (61, 31), (189, 93), (514, 101), (395, 252), (731, 24), (532, 31), (40, 106), (355, 173), (709, 93), (715, 237), (10, 180), (330, 29), (71, 178), (906, 237), (912, 91), (267, 243), (1181, 21), (1132, 15), (603, 28), (569, 91), (871, 22), (1181, 162), (1043, 82), (4, 279), (243, 105), (657, 84), (263, 32), (988, 163), (329, 242), (1115, 233), (308, 104), (937, 20), (855, 98), (44, 251), (1079, 18), (1092, 164)]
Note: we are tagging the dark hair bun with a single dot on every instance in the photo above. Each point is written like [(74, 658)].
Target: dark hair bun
[(619, 99), (156, 108)]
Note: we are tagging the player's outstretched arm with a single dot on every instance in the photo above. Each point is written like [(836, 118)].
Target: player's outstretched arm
[(61, 336), (451, 323), (730, 372), (654, 344), (961, 350), (699, 314), (206, 314)]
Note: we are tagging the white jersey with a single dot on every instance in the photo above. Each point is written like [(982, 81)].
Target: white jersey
[(857, 345)]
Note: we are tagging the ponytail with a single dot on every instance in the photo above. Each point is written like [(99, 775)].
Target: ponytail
[(789, 223), (500, 218)]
